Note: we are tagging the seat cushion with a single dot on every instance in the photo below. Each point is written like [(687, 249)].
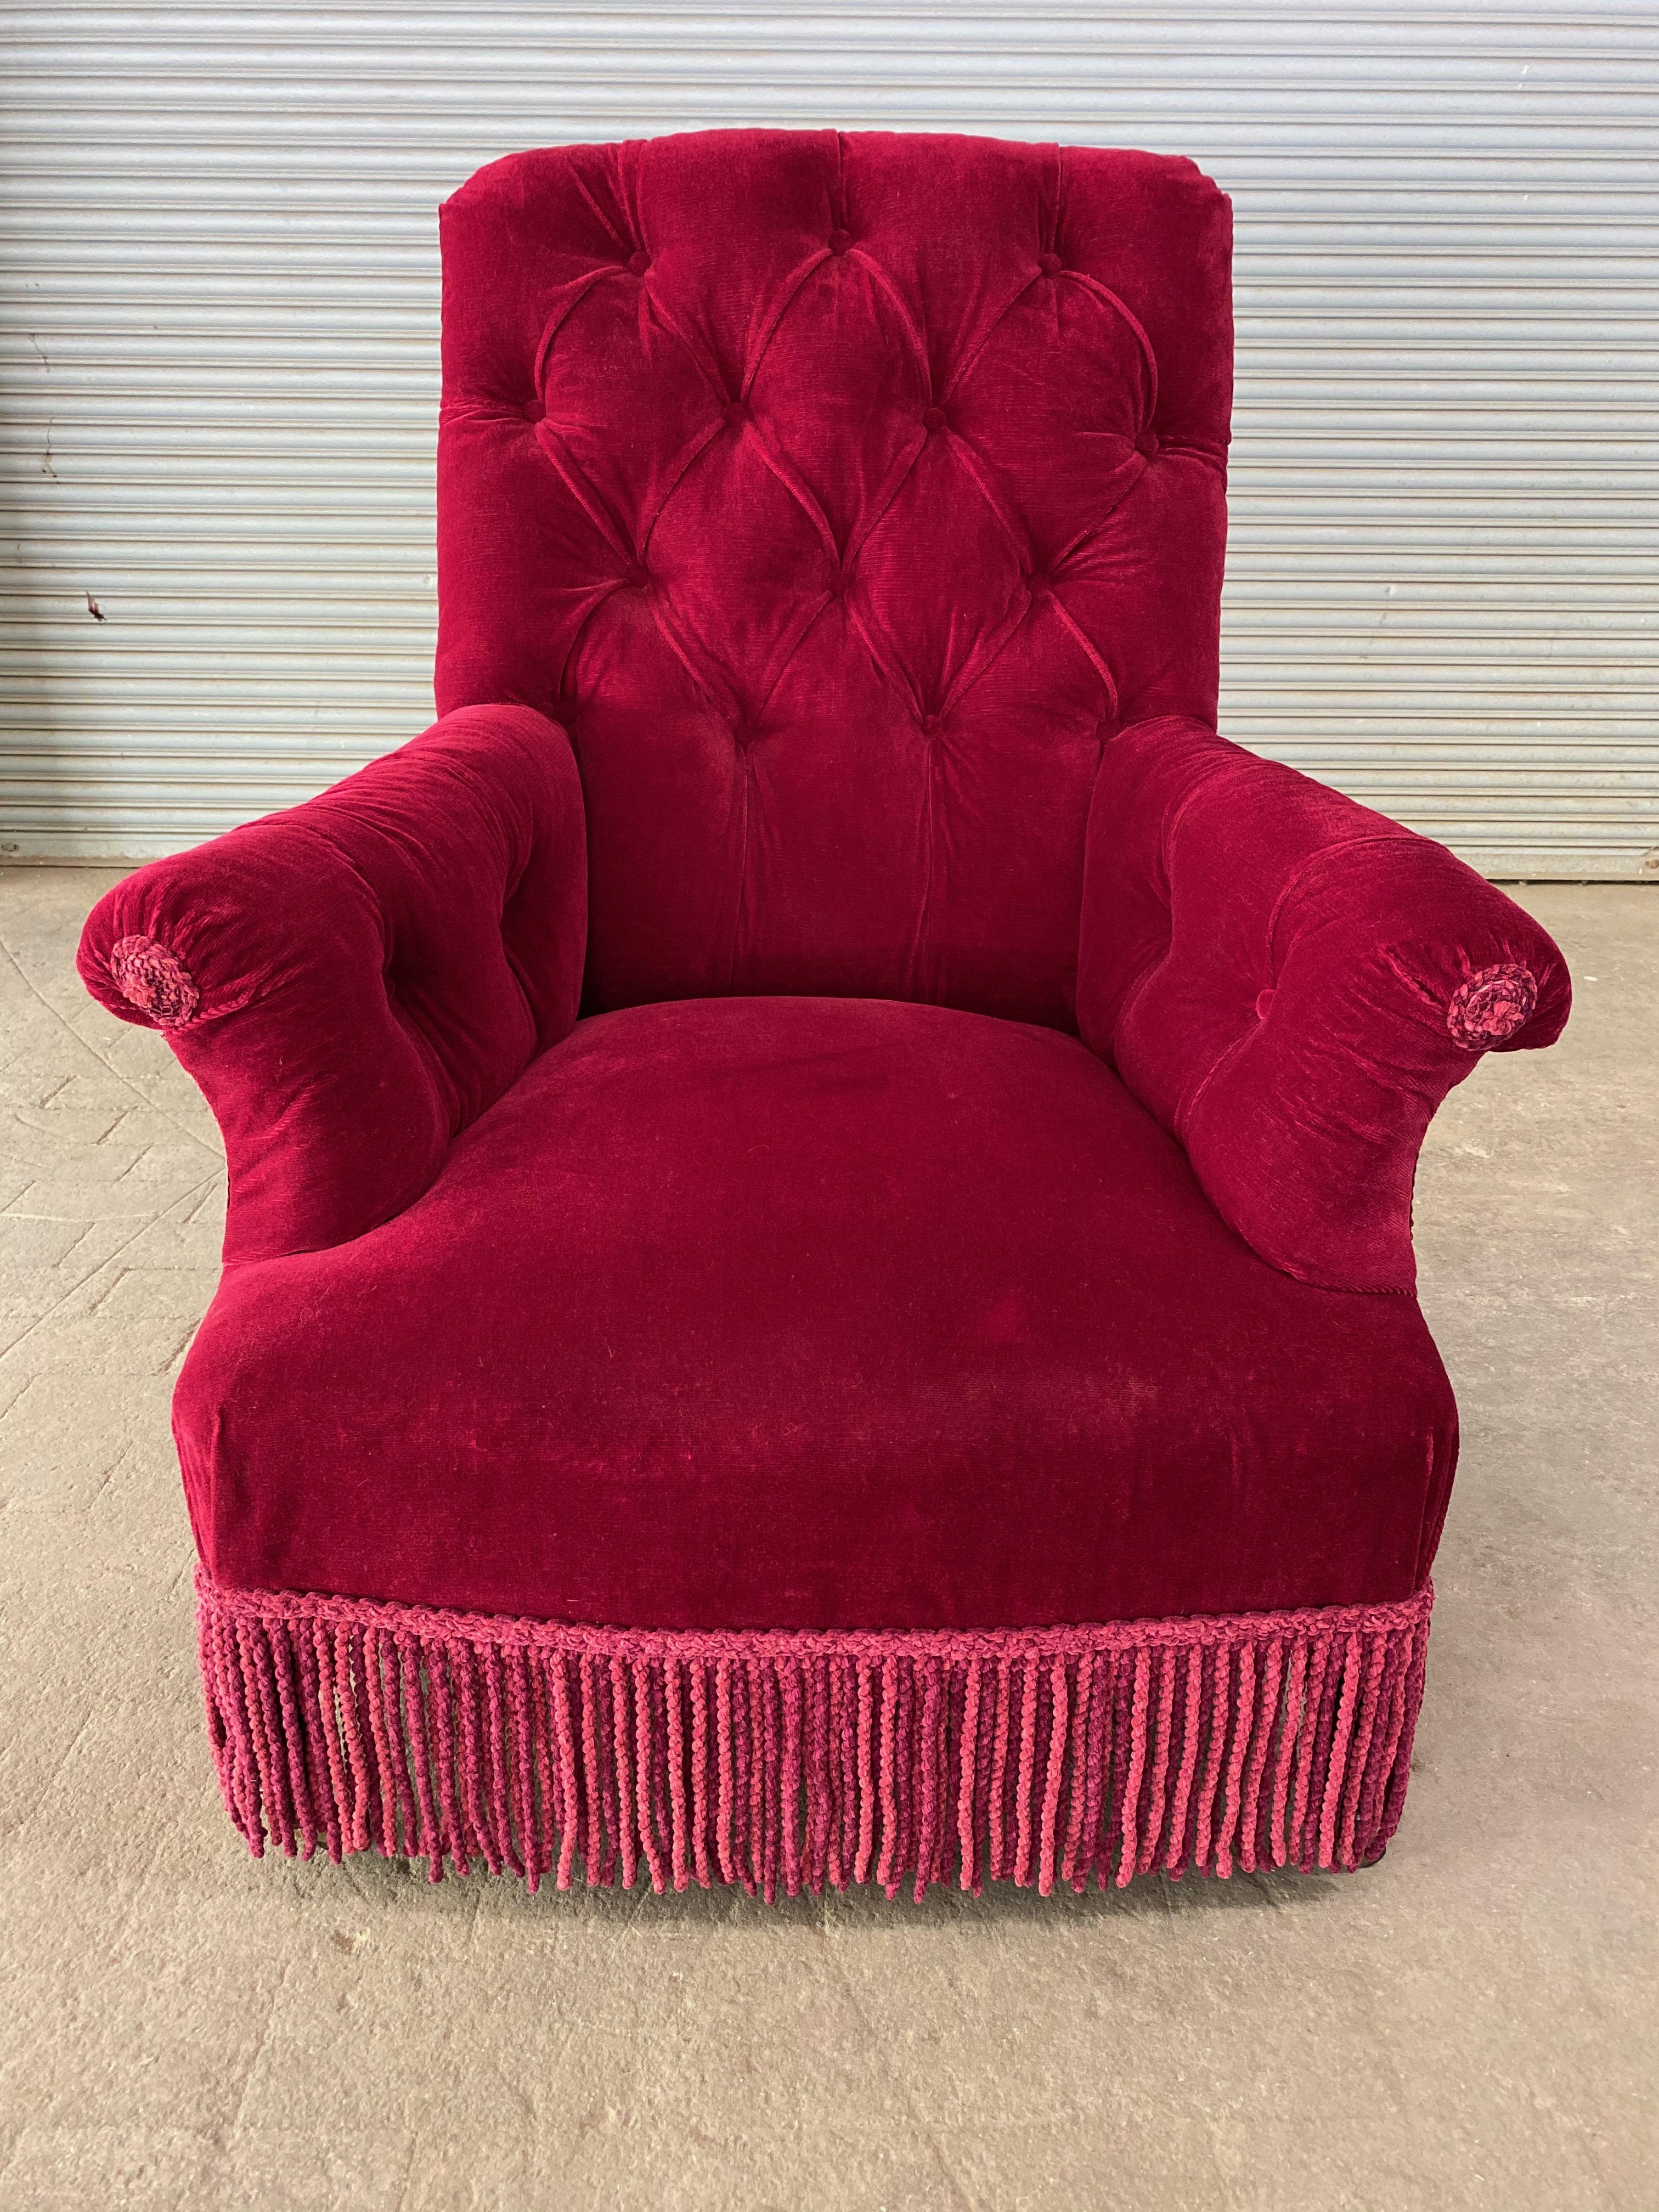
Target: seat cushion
[(780, 1312)]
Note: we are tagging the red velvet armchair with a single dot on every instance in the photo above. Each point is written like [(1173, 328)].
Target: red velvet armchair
[(818, 1283)]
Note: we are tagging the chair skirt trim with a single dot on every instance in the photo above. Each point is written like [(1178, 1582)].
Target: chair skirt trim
[(790, 1760)]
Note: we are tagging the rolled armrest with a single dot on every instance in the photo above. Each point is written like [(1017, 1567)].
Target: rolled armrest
[(1291, 984), (352, 981)]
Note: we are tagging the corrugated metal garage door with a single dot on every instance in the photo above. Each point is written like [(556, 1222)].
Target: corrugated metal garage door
[(219, 371)]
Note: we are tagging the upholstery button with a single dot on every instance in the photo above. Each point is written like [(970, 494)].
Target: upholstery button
[(933, 418), (639, 261), (835, 584), (930, 723), (1040, 585), (737, 414), (1264, 1000), (1049, 263), (840, 240), (532, 411), (1147, 443)]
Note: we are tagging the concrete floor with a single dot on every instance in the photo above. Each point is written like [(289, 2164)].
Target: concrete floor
[(1474, 2023)]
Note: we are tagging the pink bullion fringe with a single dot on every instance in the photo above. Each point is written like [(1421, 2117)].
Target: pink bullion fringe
[(790, 1760)]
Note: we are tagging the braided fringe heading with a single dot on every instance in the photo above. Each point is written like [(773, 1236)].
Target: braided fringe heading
[(790, 1760)]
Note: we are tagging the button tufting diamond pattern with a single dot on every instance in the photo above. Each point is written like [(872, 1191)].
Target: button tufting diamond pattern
[(928, 419)]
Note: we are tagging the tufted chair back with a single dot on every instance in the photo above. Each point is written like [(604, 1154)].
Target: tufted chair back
[(842, 495)]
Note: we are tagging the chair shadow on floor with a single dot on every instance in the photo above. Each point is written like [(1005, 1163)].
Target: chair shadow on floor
[(402, 1884)]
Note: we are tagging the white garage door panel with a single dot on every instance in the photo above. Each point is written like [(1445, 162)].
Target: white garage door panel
[(218, 312)]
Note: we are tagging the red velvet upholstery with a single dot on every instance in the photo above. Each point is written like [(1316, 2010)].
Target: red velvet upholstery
[(788, 1312), (365, 974), (839, 495), (830, 543), (1280, 976)]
